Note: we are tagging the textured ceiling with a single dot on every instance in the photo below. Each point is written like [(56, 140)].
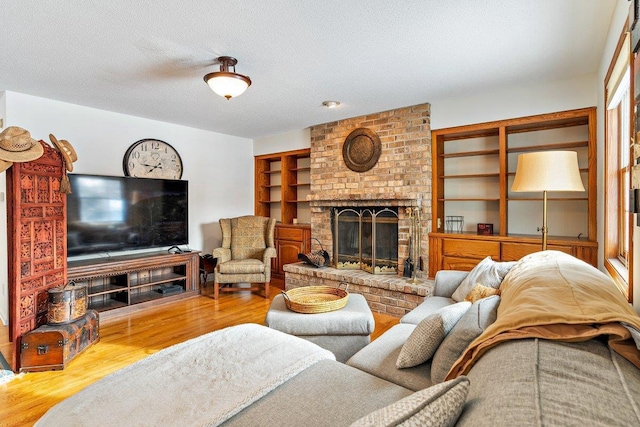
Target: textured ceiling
[(147, 58)]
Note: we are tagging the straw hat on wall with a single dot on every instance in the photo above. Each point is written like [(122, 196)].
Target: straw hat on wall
[(16, 145), (4, 165), (66, 149)]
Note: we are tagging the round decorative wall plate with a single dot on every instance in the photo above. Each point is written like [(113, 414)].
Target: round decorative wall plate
[(361, 150)]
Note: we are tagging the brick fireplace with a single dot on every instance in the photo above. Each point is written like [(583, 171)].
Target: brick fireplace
[(401, 179)]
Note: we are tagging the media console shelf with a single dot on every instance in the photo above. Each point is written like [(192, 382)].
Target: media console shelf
[(131, 282)]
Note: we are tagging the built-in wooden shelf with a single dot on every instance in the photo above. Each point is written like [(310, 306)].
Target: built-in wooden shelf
[(470, 153), (474, 175), (287, 171), (546, 147), (492, 176)]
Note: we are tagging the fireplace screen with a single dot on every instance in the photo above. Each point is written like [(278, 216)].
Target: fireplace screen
[(366, 239)]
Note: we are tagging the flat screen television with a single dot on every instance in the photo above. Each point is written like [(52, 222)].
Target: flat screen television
[(115, 214)]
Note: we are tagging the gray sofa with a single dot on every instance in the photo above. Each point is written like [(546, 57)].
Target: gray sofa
[(517, 382), (523, 382), (520, 382)]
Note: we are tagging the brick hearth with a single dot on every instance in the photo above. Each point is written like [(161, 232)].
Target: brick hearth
[(392, 295)]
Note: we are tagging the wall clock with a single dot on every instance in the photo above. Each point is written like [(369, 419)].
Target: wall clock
[(152, 158)]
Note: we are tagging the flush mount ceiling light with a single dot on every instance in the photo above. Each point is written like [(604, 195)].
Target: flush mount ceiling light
[(225, 82), (331, 104)]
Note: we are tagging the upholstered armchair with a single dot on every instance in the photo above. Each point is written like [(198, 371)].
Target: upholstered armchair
[(245, 255)]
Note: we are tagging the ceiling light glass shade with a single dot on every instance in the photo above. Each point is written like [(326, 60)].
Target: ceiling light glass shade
[(225, 82), (548, 171)]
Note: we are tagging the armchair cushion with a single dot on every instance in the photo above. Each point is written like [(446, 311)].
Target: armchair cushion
[(242, 266), (247, 236)]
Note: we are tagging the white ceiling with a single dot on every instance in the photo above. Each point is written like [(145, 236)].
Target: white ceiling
[(147, 58)]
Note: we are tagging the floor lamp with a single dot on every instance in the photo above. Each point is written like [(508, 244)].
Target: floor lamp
[(547, 171)]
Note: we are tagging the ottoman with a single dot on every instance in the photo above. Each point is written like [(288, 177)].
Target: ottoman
[(343, 332)]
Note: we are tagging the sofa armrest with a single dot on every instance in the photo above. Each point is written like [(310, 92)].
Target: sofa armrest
[(447, 281)]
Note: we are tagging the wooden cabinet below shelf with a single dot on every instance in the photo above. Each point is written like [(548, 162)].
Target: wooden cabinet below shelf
[(290, 240), (461, 251), (514, 251), (470, 249)]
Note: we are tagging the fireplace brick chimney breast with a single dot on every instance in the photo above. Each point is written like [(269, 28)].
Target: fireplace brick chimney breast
[(401, 177)]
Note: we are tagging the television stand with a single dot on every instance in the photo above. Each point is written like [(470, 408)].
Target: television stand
[(122, 284)]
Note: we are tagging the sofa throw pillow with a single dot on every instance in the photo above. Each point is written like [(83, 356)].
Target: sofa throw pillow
[(488, 273), (473, 323), (436, 406), (480, 291), (427, 336)]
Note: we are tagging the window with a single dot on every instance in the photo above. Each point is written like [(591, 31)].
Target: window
[(617, 167)]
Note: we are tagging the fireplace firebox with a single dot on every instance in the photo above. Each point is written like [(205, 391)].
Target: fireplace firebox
[(365, 238)]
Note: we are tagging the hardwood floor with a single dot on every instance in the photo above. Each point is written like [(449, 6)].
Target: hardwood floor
[(127, 339)]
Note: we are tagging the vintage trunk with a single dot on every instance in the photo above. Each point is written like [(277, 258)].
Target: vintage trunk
[(67, 303), (51, 347)]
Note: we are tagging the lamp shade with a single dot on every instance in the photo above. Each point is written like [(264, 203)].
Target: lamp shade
[(548, 171)]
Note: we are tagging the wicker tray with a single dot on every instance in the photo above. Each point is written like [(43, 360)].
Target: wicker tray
[(316, 299)]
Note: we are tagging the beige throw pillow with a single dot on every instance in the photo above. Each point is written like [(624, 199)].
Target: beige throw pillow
[(427, 336), (479, 291), (436, 406), (480, 315), (488, 273)]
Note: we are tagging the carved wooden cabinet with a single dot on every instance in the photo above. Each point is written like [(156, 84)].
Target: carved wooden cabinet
[(37, 242)]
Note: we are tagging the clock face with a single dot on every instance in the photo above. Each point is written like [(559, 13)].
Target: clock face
[(152, 158)]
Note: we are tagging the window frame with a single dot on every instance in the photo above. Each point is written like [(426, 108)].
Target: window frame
[(617, 261)]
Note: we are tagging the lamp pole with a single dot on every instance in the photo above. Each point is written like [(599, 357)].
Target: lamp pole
[(544, 220)]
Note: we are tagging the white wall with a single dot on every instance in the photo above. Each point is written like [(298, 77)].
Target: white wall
[(219, 167), (515, 101), (478, 107), (288, 141)]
